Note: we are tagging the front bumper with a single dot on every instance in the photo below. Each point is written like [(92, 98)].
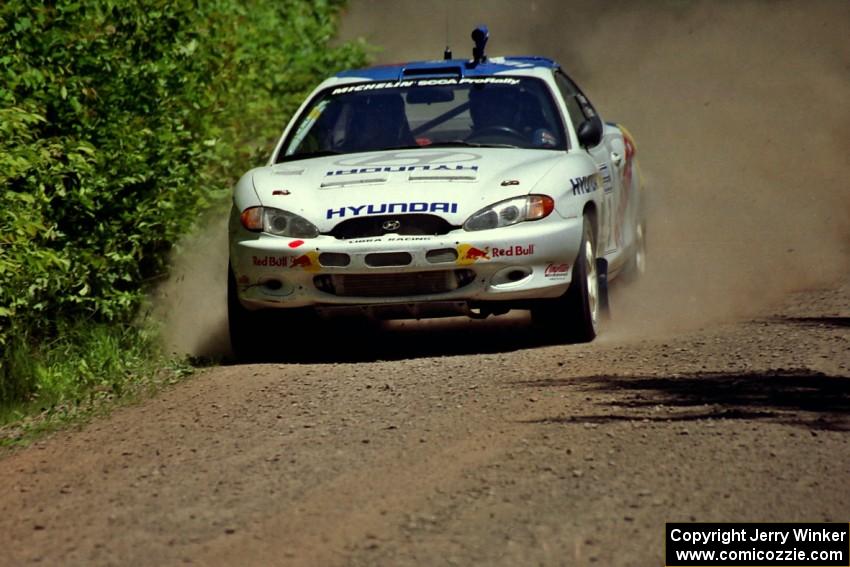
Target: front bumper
[(530, 260)]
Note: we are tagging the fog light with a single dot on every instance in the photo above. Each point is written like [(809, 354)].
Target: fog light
[(324, 283), (511, 276), (464, 277)]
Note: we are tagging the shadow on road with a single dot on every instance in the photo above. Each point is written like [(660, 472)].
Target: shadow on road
[(798, 398), (367, 341), (840, 322)]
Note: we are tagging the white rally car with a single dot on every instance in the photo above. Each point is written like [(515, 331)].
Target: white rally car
[(438, 188)]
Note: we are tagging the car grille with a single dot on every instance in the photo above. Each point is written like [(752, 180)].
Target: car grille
[(394, 285), (407, 224)]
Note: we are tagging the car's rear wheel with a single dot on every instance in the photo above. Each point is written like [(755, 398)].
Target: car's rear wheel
[(574, 317), (636, 267)]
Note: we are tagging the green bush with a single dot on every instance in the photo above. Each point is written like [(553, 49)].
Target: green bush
[(120, 121)]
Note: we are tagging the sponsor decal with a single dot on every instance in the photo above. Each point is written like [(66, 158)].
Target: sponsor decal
[(308, 262), (424, 83), (389, 239), (408, 238), (390, 208), (400, 168), (513, 251), (281, 192), (364, 240), (557, 271), (396, 162), (469, 254), (583, 185), (509, 182), (607, 180), (296, 243), (271, 261)]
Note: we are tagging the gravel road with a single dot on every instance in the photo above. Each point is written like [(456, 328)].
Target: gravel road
[(719, 391), (500, 453)]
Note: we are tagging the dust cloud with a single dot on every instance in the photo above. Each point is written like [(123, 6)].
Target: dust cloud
[(740, 111), (742, 121), (192, 304)]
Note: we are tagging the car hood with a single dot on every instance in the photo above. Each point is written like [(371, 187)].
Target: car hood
[(450, 182)]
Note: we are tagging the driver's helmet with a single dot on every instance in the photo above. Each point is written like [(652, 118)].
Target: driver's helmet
[(493, 105), (378, 122)]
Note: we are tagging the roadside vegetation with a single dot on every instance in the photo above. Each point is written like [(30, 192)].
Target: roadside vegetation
[(121, 121)]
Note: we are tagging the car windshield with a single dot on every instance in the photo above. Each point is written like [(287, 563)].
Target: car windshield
[(516, 112)]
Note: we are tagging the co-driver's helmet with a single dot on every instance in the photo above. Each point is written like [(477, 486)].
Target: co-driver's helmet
[(493, 105)]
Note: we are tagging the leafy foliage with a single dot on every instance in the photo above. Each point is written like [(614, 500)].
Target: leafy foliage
[(120, 121)]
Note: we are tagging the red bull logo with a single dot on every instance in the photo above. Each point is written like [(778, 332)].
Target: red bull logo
[(469, 254), (270, 261), (518, 250), (301, 262), (476, 254), (306, 261)]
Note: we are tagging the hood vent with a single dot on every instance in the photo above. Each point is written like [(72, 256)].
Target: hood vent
[(441, 176), (422, 72), (354, 181)]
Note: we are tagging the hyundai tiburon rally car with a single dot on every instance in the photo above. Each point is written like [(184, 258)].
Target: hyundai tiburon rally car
[(439, 188)]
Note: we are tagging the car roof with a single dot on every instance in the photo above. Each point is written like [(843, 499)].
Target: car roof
[(442, 67)]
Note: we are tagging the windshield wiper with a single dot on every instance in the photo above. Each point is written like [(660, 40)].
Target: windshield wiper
[(308, 155), (449, 144), (464, 143)]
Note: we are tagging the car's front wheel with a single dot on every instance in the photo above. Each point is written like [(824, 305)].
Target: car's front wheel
[(574, 317), (246, 327)]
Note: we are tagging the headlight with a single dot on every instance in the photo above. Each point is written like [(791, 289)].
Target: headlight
[(278, 222), (511, 211)]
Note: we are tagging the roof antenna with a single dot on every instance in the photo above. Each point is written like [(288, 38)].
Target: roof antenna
[(480, 35), (447, 54)]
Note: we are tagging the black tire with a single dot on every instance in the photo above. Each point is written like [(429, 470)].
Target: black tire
[(574, 317), (636, 266), (247, 328), (265, 335)]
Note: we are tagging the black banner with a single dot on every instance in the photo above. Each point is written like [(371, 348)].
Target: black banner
[(757, 545)]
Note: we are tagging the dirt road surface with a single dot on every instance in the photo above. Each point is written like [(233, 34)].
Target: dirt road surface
[(720, 390)]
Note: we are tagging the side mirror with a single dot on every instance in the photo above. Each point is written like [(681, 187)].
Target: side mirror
[(590, 132)]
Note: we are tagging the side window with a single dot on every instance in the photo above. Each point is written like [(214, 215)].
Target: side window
[(569, 93)]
